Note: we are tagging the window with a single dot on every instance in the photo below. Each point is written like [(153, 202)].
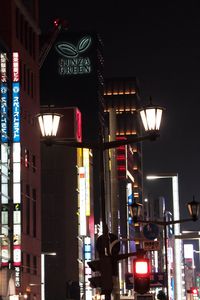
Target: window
[(27, 209), (28, 262), (34, 163), (21, 29), (26, 35), (26, 158), (34, 213), (28, 81), (33, 45), (24, 77), (35, 265), (17, 22), (30, 38), (32, 84)]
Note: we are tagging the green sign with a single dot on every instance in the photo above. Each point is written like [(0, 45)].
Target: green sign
[(72, 60)]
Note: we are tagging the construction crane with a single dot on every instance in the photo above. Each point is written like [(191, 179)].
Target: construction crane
[(58, 25)]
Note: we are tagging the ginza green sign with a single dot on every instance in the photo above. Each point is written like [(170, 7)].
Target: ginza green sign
[(71, 61)]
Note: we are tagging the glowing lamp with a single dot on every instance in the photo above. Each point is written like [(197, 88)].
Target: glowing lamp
[(49, 123), (151, 116), (141, 267)]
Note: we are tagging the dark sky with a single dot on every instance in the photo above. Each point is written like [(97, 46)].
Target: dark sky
[(159, 43)]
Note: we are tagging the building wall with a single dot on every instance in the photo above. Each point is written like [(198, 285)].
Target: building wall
[(20, 32)]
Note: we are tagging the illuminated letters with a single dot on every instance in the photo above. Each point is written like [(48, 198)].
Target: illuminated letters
[(71, 62)]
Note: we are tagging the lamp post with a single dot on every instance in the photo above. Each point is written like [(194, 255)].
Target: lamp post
[(151, 118), (177, 243), (193, 209), (43, 272)]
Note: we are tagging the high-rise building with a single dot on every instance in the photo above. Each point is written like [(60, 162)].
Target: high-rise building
[(20, 149), (122, 99), (71, 79)]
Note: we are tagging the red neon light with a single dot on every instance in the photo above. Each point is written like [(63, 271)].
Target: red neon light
[(121, 168), (78, 126), (120, 157), (3, 67), (15, 67)]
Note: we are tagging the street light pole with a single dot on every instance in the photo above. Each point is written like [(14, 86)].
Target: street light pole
[(177, 243)]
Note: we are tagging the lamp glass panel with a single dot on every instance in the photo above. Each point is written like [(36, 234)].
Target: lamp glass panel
[(40, 119), (56, 120), (158, 118), (151, 118), (144, 120), (48, 124)]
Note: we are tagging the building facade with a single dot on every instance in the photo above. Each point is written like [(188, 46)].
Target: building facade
[(70, 177), (20, 149), (122, 99)]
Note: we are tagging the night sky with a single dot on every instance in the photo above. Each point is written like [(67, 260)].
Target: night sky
[(159, 43)]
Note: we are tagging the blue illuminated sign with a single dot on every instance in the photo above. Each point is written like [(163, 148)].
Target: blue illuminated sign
[(16, 112), (4, 113)]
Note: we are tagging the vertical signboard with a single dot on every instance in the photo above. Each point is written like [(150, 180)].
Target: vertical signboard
[(82, 200), (5, 242), (87, 258), (16, 167), (86, 164)]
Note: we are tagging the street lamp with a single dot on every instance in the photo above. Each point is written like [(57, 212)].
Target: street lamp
[(177, 243), (151, 118)]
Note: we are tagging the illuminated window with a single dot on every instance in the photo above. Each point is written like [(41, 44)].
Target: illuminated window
[(26, 158)]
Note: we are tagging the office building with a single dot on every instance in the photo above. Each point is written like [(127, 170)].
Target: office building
[(20, 149), (70, 177)]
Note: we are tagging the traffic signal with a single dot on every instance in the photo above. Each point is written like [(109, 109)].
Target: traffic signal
[(104, 278), (194, 291), (141, 271)]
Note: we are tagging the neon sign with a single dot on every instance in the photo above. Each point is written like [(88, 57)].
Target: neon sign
[(4, 113), (16, 112), (72, 63)]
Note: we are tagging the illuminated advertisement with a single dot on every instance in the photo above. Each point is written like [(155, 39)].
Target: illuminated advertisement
[(86, 163), (87, 257), (4, 98), (72, 59), (4, 112), (5, 242), (16, 167), (16, 112), (82, 199)]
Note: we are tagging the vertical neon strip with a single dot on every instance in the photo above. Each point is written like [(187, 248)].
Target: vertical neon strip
[(86, 164), (42, 276), (129, 195), (4, 112), (177, 242), (87, 270), (16, 165), (82, 197), (5, 250)]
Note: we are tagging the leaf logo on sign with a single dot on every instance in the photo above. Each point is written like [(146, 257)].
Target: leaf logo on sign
[(70, 50)]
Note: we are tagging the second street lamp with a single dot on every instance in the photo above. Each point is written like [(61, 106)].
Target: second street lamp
[(151, 117)]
